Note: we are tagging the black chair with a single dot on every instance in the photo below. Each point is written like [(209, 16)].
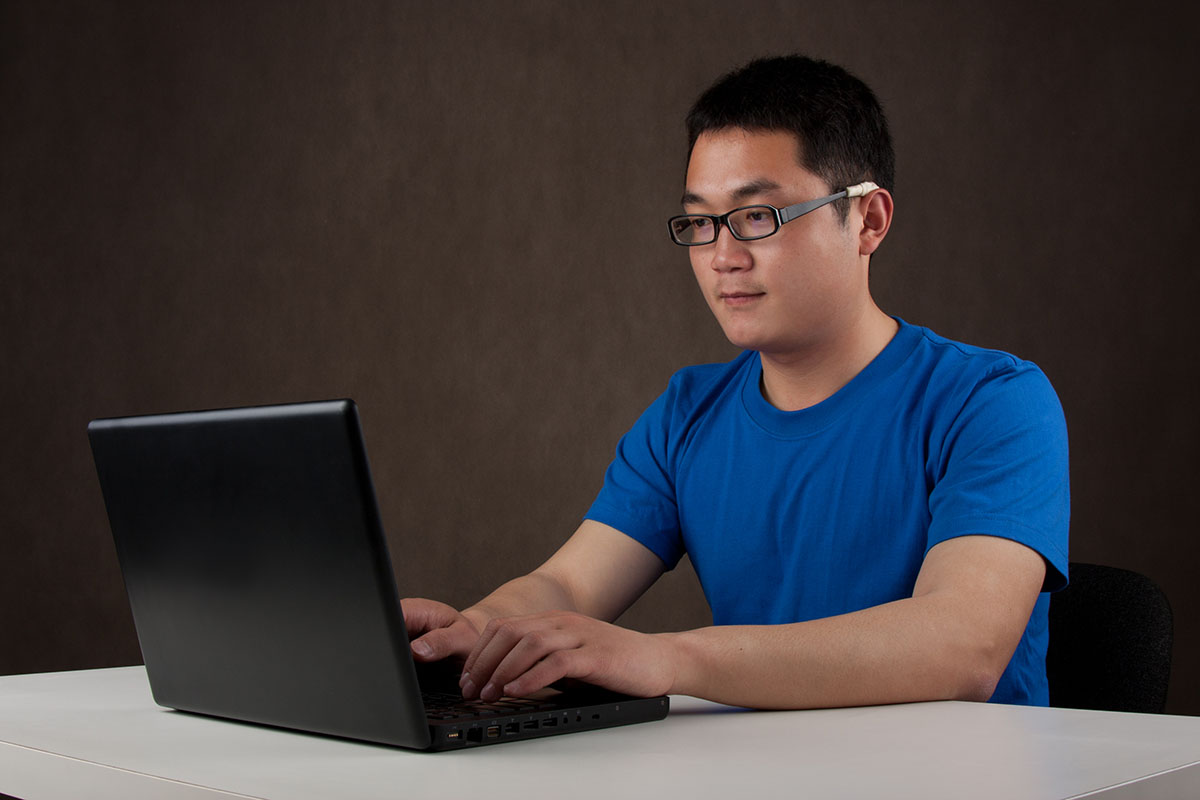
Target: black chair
[(1110, 642)]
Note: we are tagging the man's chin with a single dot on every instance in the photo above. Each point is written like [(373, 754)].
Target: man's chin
[(740, 332), (744, 341)]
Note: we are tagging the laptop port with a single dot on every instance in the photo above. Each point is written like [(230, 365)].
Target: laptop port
[(493, 731), (530, 725), (549, 723)]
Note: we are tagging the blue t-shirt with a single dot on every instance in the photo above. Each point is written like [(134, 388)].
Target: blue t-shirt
[(793, 516)]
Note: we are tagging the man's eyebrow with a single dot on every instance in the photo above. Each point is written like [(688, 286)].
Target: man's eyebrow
[(751, 189)]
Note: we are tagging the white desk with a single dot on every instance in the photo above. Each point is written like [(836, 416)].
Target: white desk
[(98, 734)]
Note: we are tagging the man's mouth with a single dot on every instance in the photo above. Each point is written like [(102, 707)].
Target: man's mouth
[(740, 298)]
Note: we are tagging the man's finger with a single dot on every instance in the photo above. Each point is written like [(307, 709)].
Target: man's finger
[(496, 642), (534, 646), (454, 641), (481, 644), (558, 665)]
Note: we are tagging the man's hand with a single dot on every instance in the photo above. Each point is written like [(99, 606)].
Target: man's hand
[(519, 655), (443, 631)]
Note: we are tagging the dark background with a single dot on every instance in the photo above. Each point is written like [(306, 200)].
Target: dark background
[(454, 213)]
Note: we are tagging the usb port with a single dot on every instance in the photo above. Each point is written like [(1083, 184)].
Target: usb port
[(549, 723), (493, 731), (530, 725)]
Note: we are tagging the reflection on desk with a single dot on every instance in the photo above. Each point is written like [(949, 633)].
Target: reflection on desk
[(97, 733)]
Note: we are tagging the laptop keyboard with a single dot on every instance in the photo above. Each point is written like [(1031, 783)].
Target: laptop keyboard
[(444, 706)]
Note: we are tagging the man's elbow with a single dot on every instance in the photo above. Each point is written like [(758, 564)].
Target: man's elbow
[(977, 673), (977, 685)]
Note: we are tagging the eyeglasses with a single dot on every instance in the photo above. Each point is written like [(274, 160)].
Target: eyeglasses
[(751, 222)]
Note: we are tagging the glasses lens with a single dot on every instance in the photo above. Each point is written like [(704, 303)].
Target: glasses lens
[(754, 222), (692, 230)]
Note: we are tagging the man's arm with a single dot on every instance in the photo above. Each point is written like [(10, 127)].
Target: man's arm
[(951, 640)]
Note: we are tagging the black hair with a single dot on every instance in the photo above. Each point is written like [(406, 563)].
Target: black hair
[(839, 123)]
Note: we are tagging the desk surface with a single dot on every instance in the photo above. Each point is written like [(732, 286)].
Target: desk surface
[(97, 733)]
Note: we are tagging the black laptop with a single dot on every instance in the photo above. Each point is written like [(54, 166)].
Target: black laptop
[(262, 588)]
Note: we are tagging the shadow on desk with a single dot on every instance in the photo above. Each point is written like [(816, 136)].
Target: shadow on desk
[(706, 711)]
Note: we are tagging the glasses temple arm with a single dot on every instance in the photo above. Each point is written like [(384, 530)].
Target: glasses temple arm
[(800, 209)]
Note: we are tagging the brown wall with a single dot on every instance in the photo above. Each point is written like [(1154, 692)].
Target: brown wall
[(454, 213)]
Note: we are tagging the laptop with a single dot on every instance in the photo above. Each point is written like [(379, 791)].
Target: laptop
[(262, 589)]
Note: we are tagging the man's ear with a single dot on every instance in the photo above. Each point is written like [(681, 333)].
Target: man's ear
[(877, 219)]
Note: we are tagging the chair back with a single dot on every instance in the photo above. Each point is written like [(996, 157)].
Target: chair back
[(1110, 641)]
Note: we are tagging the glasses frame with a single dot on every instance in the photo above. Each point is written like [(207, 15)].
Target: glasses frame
[(782, 215)]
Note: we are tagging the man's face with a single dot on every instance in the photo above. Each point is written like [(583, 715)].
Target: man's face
[(793, 291)]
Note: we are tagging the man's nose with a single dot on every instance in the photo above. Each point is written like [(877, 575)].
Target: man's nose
[(730, 254)]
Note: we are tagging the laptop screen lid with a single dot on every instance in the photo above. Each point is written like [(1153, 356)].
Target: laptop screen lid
[(257, 569)]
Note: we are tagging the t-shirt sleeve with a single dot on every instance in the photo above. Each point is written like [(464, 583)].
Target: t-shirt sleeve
[(638, 496), (1002, 468)]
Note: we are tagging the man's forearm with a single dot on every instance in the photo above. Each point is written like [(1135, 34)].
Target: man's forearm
[(899, 652), (599, 572)]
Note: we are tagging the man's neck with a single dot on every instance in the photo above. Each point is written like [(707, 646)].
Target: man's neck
[(799, 380)]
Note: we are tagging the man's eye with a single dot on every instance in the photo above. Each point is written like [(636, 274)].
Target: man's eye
[(701, 223)]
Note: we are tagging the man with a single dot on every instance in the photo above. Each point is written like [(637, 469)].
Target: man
[(873, 511)]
